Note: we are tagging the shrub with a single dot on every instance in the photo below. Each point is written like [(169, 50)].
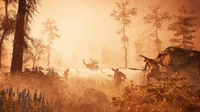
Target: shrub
[(169, 94)]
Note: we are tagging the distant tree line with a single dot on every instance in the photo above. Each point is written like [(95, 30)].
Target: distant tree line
[(183, 26)]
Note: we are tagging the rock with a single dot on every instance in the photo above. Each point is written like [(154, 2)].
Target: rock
[(93, 100)]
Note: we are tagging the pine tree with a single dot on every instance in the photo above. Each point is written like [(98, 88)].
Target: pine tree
[(156, 18), (50, 30), (183, 28), (123, 15)]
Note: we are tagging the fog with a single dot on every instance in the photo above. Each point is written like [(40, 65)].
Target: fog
[(83, 73), (86, 28)]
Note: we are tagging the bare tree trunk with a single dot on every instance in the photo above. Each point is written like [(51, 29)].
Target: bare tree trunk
[(125, 48), (17, 56), (125, 54), (157, 40), (156, 32)]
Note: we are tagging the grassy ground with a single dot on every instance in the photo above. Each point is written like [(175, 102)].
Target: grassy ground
[(95, 92)]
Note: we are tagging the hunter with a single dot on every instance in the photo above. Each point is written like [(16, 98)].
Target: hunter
[(118, 77), (153, 71), (66, 74)]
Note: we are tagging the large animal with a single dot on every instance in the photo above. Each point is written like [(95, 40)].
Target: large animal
[(179, 59), (92, 65)]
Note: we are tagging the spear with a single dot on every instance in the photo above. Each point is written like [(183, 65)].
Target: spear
[(137, 69), (110, 76), (144, 57)]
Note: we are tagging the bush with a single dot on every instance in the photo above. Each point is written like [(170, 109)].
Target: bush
[(60, 95), (169, 94)]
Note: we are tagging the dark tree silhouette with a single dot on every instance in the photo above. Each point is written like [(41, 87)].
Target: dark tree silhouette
[(123, 15), (26, 10), (17, 56), (156, 18), (183, 28), (50, 30)]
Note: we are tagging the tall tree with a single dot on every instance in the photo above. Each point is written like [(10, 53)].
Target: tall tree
[(17, 57), (183, 28), (123, 15), (156, 18), (51, 31), (7, 25), (26, 11)]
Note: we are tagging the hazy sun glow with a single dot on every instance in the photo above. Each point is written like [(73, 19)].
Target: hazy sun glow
[(85, 27)]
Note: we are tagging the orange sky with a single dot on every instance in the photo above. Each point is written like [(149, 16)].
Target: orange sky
[(85, 27)]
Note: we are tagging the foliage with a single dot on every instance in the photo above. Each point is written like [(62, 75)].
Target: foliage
[(61, 95), (50, 29), (169, 94), (52, 72), (24, 101), (51, 85), (31, 10), (26, 10), (7, 27), (183, 28), (156, 19), (123, 15)]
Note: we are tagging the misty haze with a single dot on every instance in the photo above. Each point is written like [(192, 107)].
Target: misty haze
[(99, 55)]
